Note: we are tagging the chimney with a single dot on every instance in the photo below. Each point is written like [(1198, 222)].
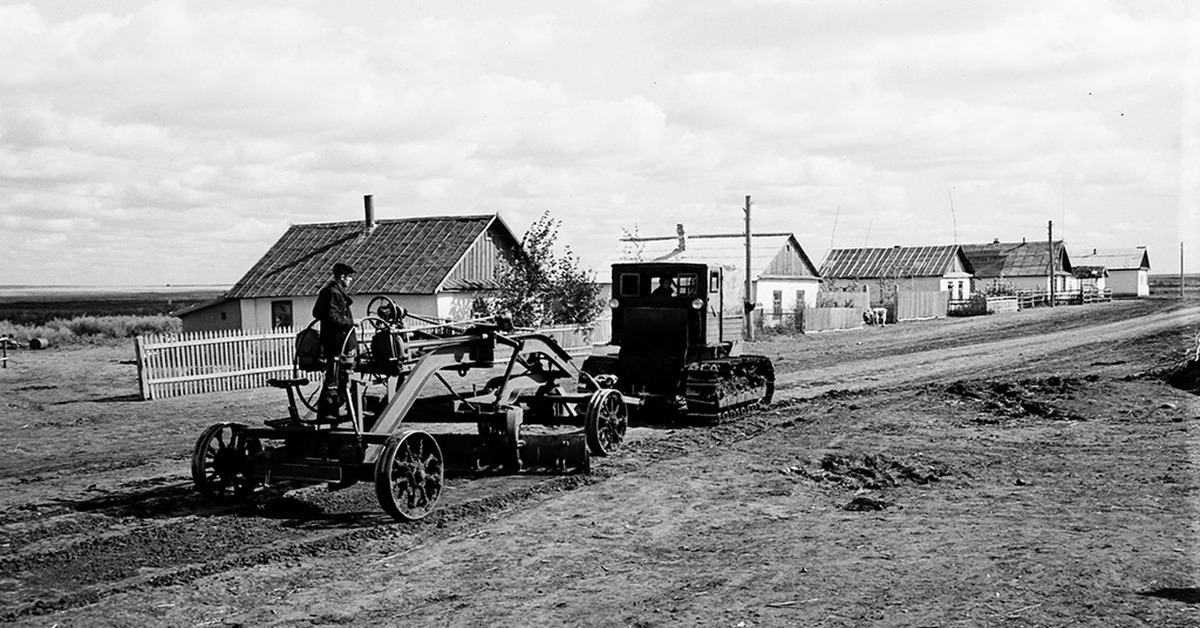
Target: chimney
[(369, 210), (682, 238)]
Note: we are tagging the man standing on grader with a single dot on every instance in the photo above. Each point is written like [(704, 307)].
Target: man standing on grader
[(333, 311)]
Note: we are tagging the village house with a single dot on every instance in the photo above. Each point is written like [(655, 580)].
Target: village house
[(901, 268), (1021, 267), (781, 273), (433, 266), (1128, 269)]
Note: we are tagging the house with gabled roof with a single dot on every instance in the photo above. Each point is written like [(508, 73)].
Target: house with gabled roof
[(432, 266), (1128, 269), (1022, 266), (781, 273), (908, 268)]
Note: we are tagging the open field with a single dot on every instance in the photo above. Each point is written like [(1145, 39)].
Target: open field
[(1030, 469), (1168, 285), (33, 305)]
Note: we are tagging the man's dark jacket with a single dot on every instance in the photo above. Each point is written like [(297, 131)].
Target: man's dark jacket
[(333, 310)]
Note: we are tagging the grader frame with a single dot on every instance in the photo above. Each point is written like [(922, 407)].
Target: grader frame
[(385, 390)]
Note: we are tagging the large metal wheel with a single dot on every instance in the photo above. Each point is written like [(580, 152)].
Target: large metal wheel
[(606, 421), (409, 475), (221, 461)]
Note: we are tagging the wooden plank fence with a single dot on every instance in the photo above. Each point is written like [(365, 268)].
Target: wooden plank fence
[(213, 361), (832, 318), (912, 306)]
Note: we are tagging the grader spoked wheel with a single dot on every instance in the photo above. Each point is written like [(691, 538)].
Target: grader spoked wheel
[(409, 475), (220, 461), (606, 421)]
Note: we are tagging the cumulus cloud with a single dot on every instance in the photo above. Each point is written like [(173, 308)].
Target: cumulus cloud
[(173, 141)]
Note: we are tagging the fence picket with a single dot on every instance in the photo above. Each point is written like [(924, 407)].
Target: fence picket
[(214, 361)]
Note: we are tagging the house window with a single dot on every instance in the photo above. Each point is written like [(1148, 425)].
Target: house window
[(281, 314), (714, 282)]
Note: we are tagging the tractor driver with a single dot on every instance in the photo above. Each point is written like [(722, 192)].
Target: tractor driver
[(666, 288), (333, 311)]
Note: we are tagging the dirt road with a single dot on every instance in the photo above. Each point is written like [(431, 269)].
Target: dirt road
[(1015, 471)]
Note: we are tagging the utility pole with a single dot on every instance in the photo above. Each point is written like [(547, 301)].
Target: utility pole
[(749, 301), (1050, 243)]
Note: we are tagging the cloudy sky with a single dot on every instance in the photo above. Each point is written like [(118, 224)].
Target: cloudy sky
[(167, 141)]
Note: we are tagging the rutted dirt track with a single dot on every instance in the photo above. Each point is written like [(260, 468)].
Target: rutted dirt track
[(1020, 470)]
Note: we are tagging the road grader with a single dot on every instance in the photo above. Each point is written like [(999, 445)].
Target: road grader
[(533, 410), (676, 342)]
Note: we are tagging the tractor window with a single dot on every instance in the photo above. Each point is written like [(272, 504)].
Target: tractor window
[(664, 286), (686, 285), (630, 285)]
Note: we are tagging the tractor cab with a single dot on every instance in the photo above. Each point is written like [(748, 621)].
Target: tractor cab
[(673, 323)]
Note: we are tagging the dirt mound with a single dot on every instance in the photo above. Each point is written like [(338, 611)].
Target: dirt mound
[(1186, 377), (873, 471), (1024, 398)]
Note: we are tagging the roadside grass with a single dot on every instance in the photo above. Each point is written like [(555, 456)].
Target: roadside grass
[(89, 329)]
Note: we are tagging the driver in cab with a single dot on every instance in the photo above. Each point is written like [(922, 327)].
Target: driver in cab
[(666, 288)]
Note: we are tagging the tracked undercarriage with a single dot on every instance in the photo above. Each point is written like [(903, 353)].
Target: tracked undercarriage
[(722, 388)]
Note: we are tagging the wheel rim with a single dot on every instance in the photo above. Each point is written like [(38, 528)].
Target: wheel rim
[(607, 420), (410, 480), (220, 460)]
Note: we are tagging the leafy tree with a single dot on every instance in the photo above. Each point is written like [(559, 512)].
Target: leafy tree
[(539, 288)]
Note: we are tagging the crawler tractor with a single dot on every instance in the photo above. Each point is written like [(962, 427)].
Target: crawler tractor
[(676, 338), (532, 410)]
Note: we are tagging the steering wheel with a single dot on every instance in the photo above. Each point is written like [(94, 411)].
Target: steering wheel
[(386, 310)]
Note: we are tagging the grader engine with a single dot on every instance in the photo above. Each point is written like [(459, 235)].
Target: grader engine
[(676, 342), (530, 407)]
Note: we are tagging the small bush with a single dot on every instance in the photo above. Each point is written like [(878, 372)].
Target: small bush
[(974, 306)]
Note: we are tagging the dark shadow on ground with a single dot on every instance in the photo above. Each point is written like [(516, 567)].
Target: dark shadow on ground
[(1187, 595)]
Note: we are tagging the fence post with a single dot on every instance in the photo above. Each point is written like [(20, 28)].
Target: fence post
[(139, 343)]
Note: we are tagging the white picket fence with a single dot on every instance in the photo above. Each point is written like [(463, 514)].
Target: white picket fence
[(213, 361)]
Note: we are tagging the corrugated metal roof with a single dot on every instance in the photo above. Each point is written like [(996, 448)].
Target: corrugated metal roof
[(1016, 259), (1116, 259), (400, 256), (897, 261), (723, 249)]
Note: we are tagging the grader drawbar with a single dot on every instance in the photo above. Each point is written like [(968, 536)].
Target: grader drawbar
[(532, 411)]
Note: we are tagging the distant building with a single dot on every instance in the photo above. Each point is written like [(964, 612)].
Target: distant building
[(908, 268), (1128, 269), (433, 266), (1023, 266), (781, 273)]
